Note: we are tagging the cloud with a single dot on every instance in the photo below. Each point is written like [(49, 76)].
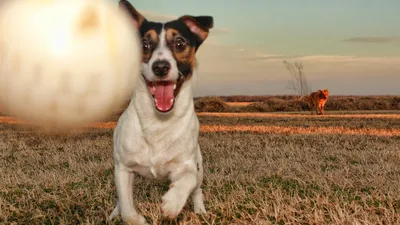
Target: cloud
[(330, 59), (269, 57), (219, 30), (156, 16), (379, 40)]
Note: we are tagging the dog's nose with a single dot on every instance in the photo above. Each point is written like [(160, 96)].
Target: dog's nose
[(161, 68)]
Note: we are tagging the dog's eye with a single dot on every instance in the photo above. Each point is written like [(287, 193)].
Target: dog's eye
[(146, 45), (180, 43)]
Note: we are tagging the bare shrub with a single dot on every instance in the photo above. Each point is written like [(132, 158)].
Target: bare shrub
[(285, 103), (210, 104), (278, 105), (257, 107), (396, 103), (299, 83), (298, 105)]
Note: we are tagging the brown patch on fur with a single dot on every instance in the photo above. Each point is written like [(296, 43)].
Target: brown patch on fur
[(317, 101), (88, 21), (195, 27), (138, 19), (185, 56), (150, 36)]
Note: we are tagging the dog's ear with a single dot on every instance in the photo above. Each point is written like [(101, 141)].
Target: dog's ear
[(138, 19), (199, 25)]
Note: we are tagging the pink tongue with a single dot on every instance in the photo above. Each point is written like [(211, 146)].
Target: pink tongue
[(164, 95)]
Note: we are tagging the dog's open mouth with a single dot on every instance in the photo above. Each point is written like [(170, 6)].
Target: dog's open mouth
[(165, 92)]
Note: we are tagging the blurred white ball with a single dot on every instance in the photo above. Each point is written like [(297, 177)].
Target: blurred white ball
[(66, 62)]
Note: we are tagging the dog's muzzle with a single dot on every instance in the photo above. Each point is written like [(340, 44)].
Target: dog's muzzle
[(164, 92)]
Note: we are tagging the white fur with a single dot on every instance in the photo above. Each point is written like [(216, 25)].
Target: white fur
[(158, 146)]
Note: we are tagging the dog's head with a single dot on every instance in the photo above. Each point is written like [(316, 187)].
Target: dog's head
[(168, 52), (324, 93)]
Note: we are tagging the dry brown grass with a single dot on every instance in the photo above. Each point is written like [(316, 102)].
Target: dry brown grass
[(369, 116), (250, 178), (238, 104), (298, 130)]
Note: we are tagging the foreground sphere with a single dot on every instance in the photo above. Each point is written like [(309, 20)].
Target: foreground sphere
[(66, 62)]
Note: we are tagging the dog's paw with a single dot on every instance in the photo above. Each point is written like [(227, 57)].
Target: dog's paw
[(172, 203), (199, 208), (134, 220), (198, 202), (114, 213)]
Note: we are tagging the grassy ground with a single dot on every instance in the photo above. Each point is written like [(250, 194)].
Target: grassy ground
[(249, 178), (305, 121)]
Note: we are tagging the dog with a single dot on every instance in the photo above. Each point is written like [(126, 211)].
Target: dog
[(157, 135), (317, 101)]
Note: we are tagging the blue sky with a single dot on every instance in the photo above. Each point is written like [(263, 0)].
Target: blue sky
[(360, 36)]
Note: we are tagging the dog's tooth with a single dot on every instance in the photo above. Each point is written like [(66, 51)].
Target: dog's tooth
[(174, 86)]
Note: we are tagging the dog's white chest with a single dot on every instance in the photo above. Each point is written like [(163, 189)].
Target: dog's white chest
[(154, 168), (151, 172), (156, 161)]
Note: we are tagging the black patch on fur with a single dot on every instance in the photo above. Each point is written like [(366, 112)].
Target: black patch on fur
[(130, 9), (191, 38), (185, 69), (146, 26), (206, 22)]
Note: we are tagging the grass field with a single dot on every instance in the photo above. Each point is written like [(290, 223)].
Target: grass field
[(238, 104), (259, 169)]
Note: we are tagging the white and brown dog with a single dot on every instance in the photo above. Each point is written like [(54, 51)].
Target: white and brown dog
[(157, 135)]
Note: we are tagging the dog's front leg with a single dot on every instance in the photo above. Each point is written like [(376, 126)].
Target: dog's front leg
[(125, 207), (197, 194), (322, 109), (182, 185)]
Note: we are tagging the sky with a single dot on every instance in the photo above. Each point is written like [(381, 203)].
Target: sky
[(351, 47)]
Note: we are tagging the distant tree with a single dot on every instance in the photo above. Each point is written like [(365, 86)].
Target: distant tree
[(299, 82)]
